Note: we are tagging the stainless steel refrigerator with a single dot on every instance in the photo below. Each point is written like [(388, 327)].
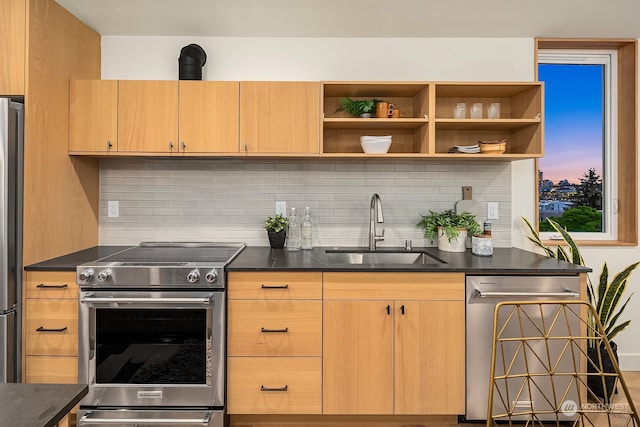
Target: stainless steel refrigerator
[(11, 186)]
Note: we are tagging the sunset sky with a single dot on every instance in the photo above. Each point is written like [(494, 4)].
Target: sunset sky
[(573, 120)]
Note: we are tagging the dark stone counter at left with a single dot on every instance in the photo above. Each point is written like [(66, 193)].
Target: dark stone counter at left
[(38, 405), (70, 261)]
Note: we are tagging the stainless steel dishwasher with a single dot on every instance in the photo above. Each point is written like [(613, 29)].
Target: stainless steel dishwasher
[(483, 293)]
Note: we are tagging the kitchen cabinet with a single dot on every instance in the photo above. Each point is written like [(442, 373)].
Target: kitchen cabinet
[(93, 118), (274, 343), (426, 127), (12, 45), (153, 117), (51, 327), (148, 116), (280, 118), (414, 325)]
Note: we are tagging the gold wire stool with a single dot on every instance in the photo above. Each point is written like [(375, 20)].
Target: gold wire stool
[(543, 372)]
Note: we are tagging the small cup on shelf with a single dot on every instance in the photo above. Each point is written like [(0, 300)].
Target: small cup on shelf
[(493, 110), (476, 110), (460, 110)]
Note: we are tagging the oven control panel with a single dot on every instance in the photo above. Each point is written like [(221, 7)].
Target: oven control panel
[(162, 276)]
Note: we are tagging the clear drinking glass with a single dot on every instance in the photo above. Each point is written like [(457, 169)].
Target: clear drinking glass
[(493, 110), (460, 110), (476, 110)]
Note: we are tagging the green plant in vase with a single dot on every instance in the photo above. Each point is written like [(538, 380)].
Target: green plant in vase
[(357, 107), (276, 227)]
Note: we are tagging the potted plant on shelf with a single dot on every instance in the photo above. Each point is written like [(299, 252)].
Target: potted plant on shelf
[(358, 107), (450, 228), (276, 227), (605, 296)]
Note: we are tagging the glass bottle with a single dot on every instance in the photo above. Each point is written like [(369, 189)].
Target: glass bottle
[(293, 232), (306, 241)]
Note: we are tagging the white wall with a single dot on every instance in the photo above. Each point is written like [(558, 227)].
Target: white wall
[(316, 59)]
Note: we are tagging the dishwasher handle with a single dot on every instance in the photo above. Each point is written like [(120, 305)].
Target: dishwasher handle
[(508, 294)]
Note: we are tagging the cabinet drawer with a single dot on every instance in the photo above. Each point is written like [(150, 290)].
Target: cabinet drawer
[(275, 285), (51, 369), (394, 286), (52, 317), (51, 284), (274, 328), (253, 384)]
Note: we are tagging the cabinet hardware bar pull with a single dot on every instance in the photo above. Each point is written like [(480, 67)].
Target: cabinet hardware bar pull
[(87, 420), (402, 309), (484, 294), (43, 286), (274, 330), (109, 145), (285, 286), (388, 309), (263, 388), (184, 146), (43, 329)]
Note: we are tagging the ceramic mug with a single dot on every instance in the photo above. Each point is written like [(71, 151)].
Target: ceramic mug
[(395, 113), (382, 110)]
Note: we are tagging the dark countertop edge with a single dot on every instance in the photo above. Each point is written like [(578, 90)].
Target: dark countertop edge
[(504, 261), (39, 404), (70, 261)]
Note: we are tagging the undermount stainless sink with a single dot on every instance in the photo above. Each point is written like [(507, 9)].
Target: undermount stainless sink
[(365, 257)]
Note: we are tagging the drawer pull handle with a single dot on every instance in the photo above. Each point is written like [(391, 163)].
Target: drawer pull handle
[(43, 286), (43, 329), (285, 286), (274, 330), (263, 388)]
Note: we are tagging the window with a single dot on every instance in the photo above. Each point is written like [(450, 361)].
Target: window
[(590, 89), (577, 184)]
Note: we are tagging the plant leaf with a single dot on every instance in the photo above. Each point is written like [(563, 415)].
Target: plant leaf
[(535, 238), (613, 320), (613, 293), (575, 252), (611, 335), (602, 287)]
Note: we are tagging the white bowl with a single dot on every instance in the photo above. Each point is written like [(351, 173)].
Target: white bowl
[(375, 144)]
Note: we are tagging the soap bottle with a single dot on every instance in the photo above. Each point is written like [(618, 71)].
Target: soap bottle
[(307, 231), (293, 232)]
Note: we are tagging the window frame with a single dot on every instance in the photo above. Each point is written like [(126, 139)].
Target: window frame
[(607, 58), (627, 131)]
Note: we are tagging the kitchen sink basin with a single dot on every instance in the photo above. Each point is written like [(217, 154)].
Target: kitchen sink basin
[(364, 257)]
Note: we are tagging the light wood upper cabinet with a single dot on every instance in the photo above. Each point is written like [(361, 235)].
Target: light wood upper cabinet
[(13, 47), (280, 118), (414, 325), (208, 117), (148, 116), (93, 116)]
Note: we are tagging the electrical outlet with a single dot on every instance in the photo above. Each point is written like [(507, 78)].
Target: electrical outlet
[(281, 208), (492, 210), (113, 209)]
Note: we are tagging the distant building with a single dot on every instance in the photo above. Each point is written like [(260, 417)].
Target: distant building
[(552, 208)]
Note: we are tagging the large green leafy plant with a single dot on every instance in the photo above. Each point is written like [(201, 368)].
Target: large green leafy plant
[(606, 296), (450, 222)]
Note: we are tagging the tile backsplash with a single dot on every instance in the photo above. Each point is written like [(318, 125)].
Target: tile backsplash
[(228, 199)]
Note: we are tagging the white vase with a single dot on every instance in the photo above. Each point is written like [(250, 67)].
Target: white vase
[(457, 244)]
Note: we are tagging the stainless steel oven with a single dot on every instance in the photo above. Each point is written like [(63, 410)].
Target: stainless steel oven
[(152, 334)]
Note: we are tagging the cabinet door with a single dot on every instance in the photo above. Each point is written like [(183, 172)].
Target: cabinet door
[(208, 117), (148, 116), (280, 117), (93, 113), (12, 46), (358, 357), (429, 357)]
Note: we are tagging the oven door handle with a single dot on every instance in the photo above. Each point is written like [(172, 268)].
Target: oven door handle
[(87, 420), (172, 300), (563, 294)]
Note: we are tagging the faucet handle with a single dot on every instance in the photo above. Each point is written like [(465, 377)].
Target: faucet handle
[(380, 237)]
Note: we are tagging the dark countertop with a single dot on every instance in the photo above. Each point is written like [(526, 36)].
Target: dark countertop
[(70, 261), (263, 258), (38, 405), (503, 261)]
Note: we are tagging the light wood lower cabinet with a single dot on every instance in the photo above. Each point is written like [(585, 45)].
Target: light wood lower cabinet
[(50, 331), (274, 343), (274, 385), (346, 344), (400, 354)]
